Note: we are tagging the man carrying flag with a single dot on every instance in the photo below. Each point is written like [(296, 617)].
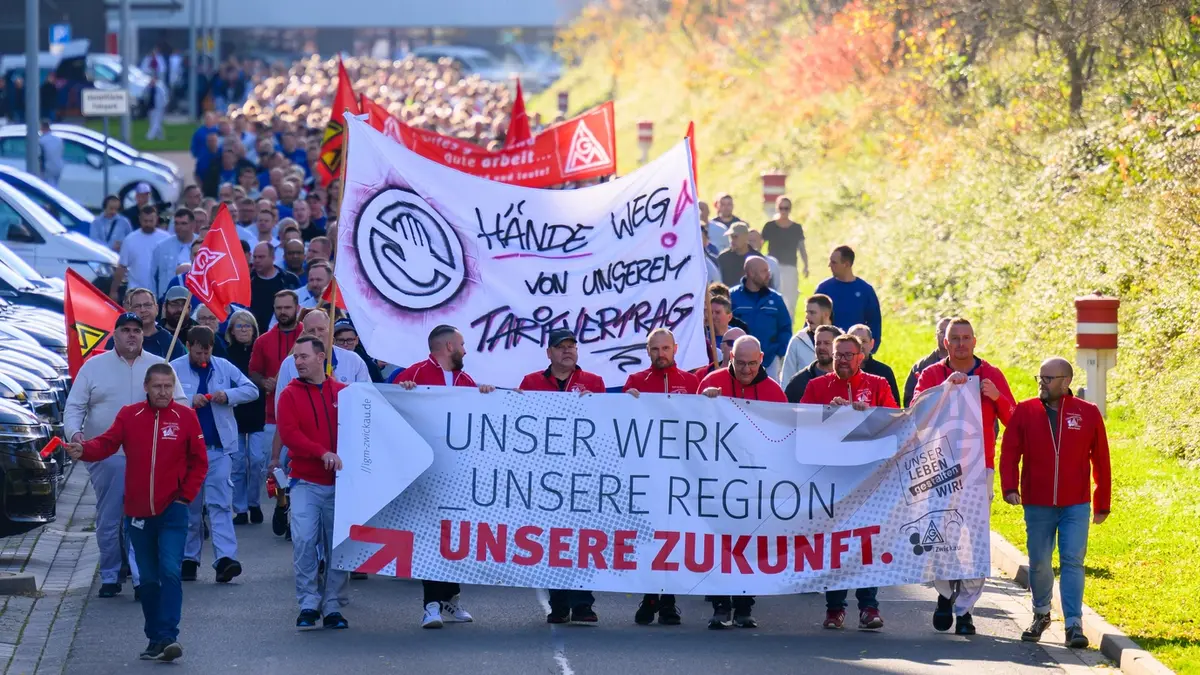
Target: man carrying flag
[(329, 163)]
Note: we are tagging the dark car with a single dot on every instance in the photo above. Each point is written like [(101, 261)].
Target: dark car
[(29, 485)]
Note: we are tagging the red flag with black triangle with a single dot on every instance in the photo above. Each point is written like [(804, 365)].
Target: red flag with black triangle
[(90, 316), (329, 165)]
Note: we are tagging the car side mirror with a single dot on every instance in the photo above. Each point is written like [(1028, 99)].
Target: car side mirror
[(94, 161)]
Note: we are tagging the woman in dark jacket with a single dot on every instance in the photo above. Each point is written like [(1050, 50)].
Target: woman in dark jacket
[(254, 444)]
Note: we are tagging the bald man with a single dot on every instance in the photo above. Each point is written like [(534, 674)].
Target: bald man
[(731, 335), (1055, 447), (763, 310)]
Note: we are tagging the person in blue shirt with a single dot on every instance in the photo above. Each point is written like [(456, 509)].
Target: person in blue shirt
[(854, 300), (210, 154), (294, 154), (200, 136), (763, 310)]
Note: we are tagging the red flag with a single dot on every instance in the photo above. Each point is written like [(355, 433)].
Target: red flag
[(691, 139), (377, 115), (219, 274), (90, 316), (518, 126), (330, 163), (333, 294)]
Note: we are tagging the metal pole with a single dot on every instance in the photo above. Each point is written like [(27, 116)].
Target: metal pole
[(126, 49), (216, 30), (106, 162), (192, 108), (32, 115)]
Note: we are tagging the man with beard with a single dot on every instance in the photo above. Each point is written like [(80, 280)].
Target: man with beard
[(823, 339), (175, 307), (444, 367), (957, 598), (801, 349), (849, 385), (939, 353), (662, 377), (564, 375), (268, 354)]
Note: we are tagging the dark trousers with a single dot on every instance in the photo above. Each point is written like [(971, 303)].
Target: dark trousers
[(666, 600), (741, 603), (563, 600), (158, 548), (865, 596), (439, 591)]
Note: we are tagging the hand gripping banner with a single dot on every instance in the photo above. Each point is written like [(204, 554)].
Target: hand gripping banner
[(660, 494)]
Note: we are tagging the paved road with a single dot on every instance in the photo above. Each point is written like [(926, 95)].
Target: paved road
[(248, 627)]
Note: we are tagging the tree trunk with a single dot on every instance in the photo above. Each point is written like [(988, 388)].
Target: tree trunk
[(1078, 81)]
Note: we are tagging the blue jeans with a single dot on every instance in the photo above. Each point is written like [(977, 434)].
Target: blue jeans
[(570, 599), (1070, 524), (249, 470), (865, 596), (158, 545)]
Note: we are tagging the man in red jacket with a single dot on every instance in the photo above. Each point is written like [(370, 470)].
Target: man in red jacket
[(745, 377), (1054, 447), (849, 385), (307, 419), (662, 377), (443, 368), (565, 375), (958, 598), (166, 461)]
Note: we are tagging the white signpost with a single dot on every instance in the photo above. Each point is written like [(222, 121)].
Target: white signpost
[(104, 103)]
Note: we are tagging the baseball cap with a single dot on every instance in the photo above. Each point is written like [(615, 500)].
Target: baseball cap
[(739, 228), (142, 188), (343, 325), (127, 317), (560, 335), (177, 293)]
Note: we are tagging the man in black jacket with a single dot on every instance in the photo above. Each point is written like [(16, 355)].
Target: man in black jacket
[(823, 364), (910, 385), (871, 366)]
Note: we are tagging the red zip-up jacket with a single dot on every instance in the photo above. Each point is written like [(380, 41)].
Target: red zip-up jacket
[(268, 353), (580, 380), (860, 387), (763, 388), (669, 380), (429, 373), (166, 458), (308, 427), (1058, 473), (1000, 409)]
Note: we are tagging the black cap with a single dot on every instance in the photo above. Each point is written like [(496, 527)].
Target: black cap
[(560, 335), (343, 325), (127, 317)]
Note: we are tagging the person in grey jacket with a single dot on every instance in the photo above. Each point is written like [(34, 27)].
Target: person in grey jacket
[(818, 311), (910, 385), (213, 387), (106, 383), (110, 227)]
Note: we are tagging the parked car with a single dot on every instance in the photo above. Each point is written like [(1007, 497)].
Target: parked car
[(38, 352), (33, 330), (470, 60), (31, 276), (83, 173), (161, 162), (29, 483), (77, 70), (53, 201), (47, 246), (19, 291)]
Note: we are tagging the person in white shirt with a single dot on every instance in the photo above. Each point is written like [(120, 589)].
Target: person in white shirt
[(52, 155), (136, 260), (156, 108), (172, 252)]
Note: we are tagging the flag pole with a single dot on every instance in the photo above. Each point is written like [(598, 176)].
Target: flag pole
[(333, 251), (178, 325), (712, 329)]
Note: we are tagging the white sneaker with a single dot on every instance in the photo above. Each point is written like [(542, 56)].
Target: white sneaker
[(455, 609), (433, 616)]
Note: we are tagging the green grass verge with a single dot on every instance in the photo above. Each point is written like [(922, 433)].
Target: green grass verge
[(178, 136)]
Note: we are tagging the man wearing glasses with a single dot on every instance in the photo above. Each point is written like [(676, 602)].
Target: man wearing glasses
[(958, 598), (849, 385), (1054, 447)]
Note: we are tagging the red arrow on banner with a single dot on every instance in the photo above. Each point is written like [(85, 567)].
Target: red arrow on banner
[(396, 545)]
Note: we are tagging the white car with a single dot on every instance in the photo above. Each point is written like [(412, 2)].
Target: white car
[(61, 207), (47, 246), (83, 174), (69, 130)]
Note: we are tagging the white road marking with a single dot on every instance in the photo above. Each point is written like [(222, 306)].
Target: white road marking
[(560, 648)]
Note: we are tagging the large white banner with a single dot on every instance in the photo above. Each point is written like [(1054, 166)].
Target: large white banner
[(424, 244), (664, 493)]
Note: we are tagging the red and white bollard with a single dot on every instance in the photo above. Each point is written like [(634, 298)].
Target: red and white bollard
[(563, 98), (1096, 343), (645, 139), (773, 187)]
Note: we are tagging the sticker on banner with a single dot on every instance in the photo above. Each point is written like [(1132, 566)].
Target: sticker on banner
[(408, 251), (936, 531), (932, 469)]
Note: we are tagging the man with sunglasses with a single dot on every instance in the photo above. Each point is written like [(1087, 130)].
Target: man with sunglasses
[(958, 598), (1054, 447)]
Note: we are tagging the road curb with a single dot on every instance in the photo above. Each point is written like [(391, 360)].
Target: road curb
[(15, 583), (1129, 657)]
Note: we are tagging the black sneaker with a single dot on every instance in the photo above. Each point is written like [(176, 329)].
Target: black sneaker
[(279, 521), (170, 652), (358, 576), (308, 618), (744, 621), (669, 615), (722, 617), (965, 625), (110, 590), (584, 614), (1075, 638), (558, 615), (256, 516), (137, 593), (189, 570), (943, 616), (151, 651), (646, 611), (241, 519), (335, 621), (1040, 623), (227, 569)]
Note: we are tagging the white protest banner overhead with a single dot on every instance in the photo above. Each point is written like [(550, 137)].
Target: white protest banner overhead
[(423, 244), (663, 493)]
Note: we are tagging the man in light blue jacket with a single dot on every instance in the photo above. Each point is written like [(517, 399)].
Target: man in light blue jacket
[(213, 386)]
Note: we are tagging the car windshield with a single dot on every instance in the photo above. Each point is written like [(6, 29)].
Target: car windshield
[(23, 203), (18, 265), (64, 209)]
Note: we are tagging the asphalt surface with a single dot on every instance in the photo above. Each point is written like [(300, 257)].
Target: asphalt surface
[(249, 626)]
